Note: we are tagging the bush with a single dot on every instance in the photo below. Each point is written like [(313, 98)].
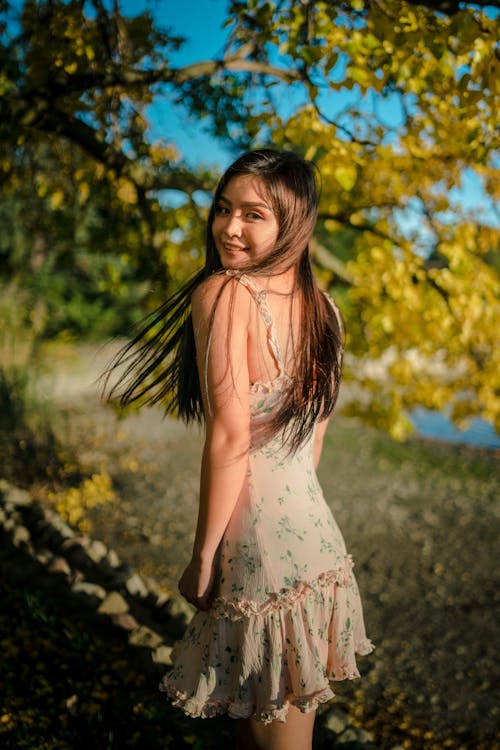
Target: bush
[(29, 445), (30, 448)]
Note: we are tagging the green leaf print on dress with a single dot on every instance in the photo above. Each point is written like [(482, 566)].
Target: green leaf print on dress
[(285, 527), (287, 617), (296, 572)]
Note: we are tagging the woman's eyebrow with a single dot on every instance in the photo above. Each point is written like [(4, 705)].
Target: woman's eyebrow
[(248, 204)]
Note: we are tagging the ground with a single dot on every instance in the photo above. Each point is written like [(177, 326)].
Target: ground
[(420, 519)]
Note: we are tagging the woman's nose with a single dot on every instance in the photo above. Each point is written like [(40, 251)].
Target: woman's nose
[(233, 225)]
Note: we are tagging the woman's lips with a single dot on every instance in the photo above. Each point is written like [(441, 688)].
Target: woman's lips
[(233, 248)]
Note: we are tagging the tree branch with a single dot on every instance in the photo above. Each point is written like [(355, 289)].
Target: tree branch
[(233, 64), (450, 7), (78, 132), (343, 218), (62, 83), (330, 261), (342, 128)]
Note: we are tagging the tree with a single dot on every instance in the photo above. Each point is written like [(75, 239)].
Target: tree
[(416, 273)]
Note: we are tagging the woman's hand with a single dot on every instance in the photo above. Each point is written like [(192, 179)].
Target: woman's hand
[(196, 584)]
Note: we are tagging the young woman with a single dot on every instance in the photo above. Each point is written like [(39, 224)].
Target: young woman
[(254, 348)]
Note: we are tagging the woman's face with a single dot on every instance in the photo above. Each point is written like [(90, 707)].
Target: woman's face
[(245, 228)]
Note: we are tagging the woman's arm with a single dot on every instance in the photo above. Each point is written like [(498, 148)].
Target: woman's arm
[(227, 415), (318, 441)]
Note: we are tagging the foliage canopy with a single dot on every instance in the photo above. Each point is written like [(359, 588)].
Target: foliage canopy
[(395, 101)]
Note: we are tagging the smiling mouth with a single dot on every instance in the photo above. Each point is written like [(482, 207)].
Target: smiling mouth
[(233, 248)]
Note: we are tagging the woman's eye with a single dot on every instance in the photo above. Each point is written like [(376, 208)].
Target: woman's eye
[(221, 211), (253, 215)]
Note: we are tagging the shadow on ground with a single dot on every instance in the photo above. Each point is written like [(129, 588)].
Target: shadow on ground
[(420, 519)]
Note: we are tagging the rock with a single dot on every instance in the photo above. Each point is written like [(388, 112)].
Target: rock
[(113, 604), (91, 589), (152, 584), (78, 576), (354, 735), (72, 704), (177, 613), (136, 586), (162, 655), (126, 621), (179, 607), (59, 565), (113, 559), (83, 540), (157, 591), (59, 525), (97, 551), (14, 495), (75, 553), (44, 556), (4, 487), (9, 524), (336, 720), (21, 536), (162, 598), (144, 636)]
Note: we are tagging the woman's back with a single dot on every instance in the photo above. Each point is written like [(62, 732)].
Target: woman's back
[(279, 610), (286, 614), (273, 327)]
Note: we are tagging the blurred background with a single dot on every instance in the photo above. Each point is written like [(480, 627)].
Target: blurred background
[(116, 119)]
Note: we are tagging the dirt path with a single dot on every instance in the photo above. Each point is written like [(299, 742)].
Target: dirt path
[(421, 521)]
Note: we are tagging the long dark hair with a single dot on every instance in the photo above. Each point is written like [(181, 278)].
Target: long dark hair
[(159, 363)]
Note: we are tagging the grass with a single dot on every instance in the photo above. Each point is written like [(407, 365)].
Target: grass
[(30, 443), (407, 510)]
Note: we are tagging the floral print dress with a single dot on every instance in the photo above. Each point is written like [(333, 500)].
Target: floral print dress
[(286, 618)]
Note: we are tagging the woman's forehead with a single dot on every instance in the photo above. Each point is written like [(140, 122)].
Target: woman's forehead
[(247, 189)]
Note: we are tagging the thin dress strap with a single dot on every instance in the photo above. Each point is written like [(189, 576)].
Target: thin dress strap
[(260, 297)]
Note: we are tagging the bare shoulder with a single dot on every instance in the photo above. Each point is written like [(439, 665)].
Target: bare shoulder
[(220, 293)]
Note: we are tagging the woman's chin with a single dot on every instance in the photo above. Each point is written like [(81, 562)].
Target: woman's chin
[(235, 262)]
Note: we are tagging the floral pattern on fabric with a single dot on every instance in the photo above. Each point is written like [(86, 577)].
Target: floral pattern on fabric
[(287, 617)]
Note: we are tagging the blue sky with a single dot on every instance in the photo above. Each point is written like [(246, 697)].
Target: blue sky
[(201, 23)]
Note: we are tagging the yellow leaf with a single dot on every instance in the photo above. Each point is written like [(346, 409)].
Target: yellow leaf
[(311, 152), (357, 218), (346, 176), (56, 200), (359, 75), (71, 67), (83, 192), (126, 191)]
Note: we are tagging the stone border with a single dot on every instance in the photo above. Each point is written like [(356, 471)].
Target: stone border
[(95, 573), (137, 605)]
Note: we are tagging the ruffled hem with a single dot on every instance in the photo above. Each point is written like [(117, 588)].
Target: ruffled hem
[(246, 658), (237, 609), (236, 710)]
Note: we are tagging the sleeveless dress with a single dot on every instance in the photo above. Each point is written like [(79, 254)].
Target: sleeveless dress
[(286, 617)]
